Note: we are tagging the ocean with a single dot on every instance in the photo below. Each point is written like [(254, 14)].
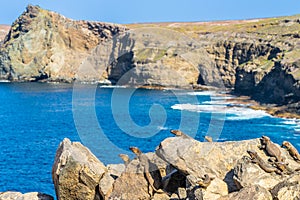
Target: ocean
[(36, 117)]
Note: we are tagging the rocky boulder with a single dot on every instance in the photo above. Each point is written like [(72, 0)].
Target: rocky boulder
[(195, 158), (76, 172), (27, 196), (249, 193), (133, 184), (288, 188), (181, 168)]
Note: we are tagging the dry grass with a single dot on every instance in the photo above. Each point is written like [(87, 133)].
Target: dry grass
[(260, 26)]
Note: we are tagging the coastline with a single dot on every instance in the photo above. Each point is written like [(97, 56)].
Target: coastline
[(272, 109)]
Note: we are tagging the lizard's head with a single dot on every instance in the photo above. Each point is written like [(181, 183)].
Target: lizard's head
[(265, 139), (176, 132), (286, 144), (252, 154), (135, 150), (124, 157), (208, 138)]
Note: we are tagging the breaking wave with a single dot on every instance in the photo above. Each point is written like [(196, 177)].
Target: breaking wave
[(232, 113)]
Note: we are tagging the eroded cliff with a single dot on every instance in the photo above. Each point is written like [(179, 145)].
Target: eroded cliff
[(45, 45)]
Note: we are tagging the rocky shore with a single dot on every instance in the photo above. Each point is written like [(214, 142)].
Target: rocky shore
[(179, 168)]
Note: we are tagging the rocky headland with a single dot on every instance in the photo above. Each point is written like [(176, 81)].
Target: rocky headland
[(179, 168), (258, 58)]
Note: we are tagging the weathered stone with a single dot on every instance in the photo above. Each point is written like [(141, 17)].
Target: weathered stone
[(10, 195), (132, 184), (158, 164), (174, 197), (160, 197), (254, 192), (182, 193), (215, 190), (287, 189), (197, 159), (247, 173), (115, 170), (76, 172), (26, 196), (106, 185), (195, 193)]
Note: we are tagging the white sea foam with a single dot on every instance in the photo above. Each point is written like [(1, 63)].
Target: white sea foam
[(216, 103), (233, 113), (240, 113), (221, 97), (199, 108), (202, 93), (112, 86), (292, 123)]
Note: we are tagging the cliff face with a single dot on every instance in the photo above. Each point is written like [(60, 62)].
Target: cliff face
[(43, 44), (259, 58)]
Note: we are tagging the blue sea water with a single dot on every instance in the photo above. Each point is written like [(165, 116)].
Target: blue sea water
[(36, 117)]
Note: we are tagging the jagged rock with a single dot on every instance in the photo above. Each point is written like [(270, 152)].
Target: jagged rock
[(195, 193), (287, 189), (182, 193), (76, 172), (132, 184), (216, 189), (174, 197), (247, 173), (115, 170), (10, 195), (160, 197), (197, 159), (106, 185), (26, 196), (254, 192), (159, 164)]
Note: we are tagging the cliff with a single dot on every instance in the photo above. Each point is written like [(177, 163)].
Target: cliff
[(258, 58), (45, 45)]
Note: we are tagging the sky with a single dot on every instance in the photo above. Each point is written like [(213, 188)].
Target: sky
[(138, 11)]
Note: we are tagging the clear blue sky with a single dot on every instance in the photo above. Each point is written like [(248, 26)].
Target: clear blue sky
[(132, 11)]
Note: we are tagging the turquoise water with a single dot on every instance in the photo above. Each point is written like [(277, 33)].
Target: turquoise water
[(35, 117)]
